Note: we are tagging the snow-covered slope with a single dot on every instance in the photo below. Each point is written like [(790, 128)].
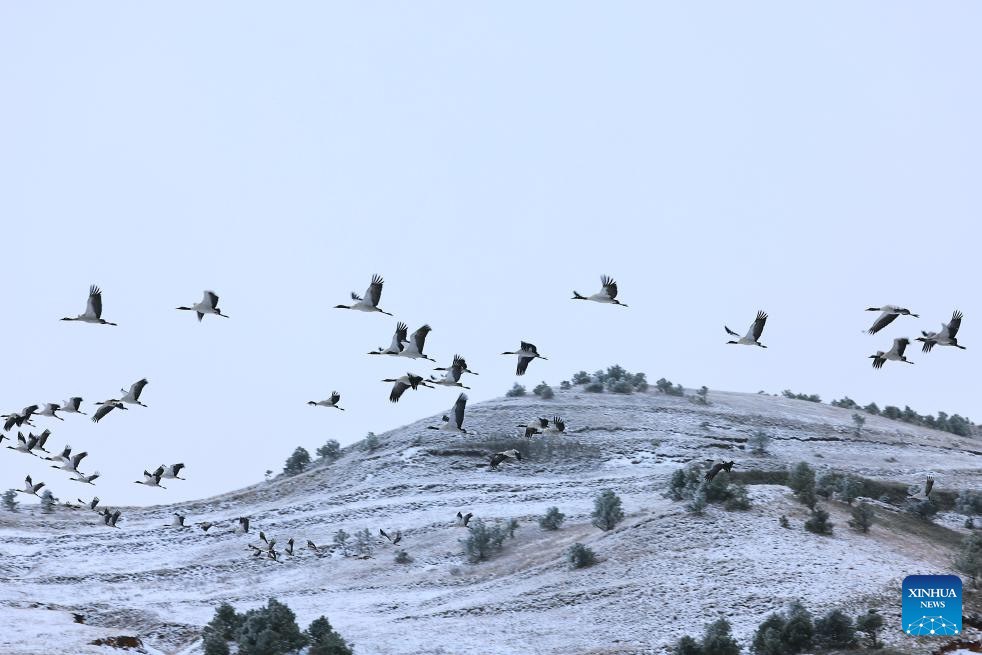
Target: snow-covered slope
[(68, 581)]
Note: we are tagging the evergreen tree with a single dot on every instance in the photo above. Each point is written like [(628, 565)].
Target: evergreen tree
[(767, 639), (581, 378), (324, 640), (225, 623), (544, 391), (552, 519), (687, 646), (402, 557), (698, 503), (483, 541), (718, 641), (758, 442), (819, 523), (516, 391), (297, 462), (784, 521), (969, 561), (331, 450), (510, 527), (341, 541), (862, 517), (607, 511), (371, 442), (213, 644), (364, 544), (738, 500), (10, 500), (270, 630), (702, 395), (581, 556), (802, 483), (565, 385), (798, 629), (48, 501), (858, 422), (868, 624), (873, 409), (835, 630), (849, 489), (923, 509)]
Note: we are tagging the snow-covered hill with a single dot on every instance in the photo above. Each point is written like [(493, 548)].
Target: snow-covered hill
[(69, 581)]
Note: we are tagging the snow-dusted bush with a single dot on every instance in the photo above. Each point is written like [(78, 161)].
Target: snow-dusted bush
[(758, 442), (666, 387), (835, 630), (607, 512), (784, 633), (364, 543), (819, 522), (922, 509), (297, 462), (862, 517), (371, 442), (552, 519), (581, 378), (969, 560), (48, 501), (341, 541), (516, 391), (783, 521), (402, 557), (544, 391), (738, 500), (594, 387), (270, 630), (580, 556), (565, 385), (330, 451), (483, 541), (324, 640), (802, 483), (869, 624), (10, 500)]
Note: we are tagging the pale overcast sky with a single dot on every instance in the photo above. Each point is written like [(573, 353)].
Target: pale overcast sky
[(716, 158)]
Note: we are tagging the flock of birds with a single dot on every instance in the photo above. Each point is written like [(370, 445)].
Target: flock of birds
[(404, 345)]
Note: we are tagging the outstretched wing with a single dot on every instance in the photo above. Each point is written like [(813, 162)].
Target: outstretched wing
[(528, 347), (398, 389), (137, 388), (335, 397), (730, 332), (758, 327), (95, 301), (954, 324), (610, 287), (458, 410), (885, 319), (900, 345), (374, 292), (210, 298), (523, 364), (419, 337)]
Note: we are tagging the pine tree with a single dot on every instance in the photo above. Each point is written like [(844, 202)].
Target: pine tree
[(324, 640), (371, 442), (10, 500), (364, 544), (859, 421), (330, 451), (868, 624), (213, 644), (341, 541), (270, 630), (297, 462), (581, 556), (483, 541), (687, 646), (798, 629), (819, 523), (835, 630), (718, 641), (552, 520), (862, 517), (48, 501), (802, 483), (767, 639), (516, 391), (758, 442), (607, 511)]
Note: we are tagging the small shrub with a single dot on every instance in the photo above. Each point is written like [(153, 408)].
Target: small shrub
[(812, 398), (718, 641), (364, 543), (594, 387), (565, 385), (858, 422), (607, 511), (341, 541), (552, 519), (510, 527), (581, 378), (923, 509), (516, 391), (819, 522), (324, 640), (10, 500), (580, 556), (835, 630), (483, 541), (402, 557), (666, 387), (687, 646), (297, 462), (862, 517), (330, 451), (48, 501), (697, 505), (783, 521), (702, 395), (802, 483), (869, 624), (738, 500), (371, 442), (758, 442), (544, 391), (270, 630)]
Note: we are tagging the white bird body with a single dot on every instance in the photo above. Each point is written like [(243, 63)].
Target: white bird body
[(70, 464), (752, 338), (85, 479), (172, 472), (328, 402), (30, 488), (62, 457), (71, 406), (607, 294), (132, 396), (368, 302), (414, 347), (399, 340), (946, 337), (526, 353), (889, 314), (895, 354), (50, 410), (152, 479), (456, 422), (400, 384)]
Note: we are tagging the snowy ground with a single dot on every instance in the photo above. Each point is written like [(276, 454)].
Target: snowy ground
[(68, 581)]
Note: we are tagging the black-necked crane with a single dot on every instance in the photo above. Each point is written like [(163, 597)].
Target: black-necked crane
[(534, 427), (289, 547), (178, 521), (558, 426), (526, 353), (311, 546), (93, 310), (368, 303), (399, 339), (923, 494), (111, 519), (105, 407), (24, 444), (132, 397), (152, 479), (208, 305), (464, 519), (243, 525), (30, 488), (72, 405), (458, 362), (607, 293), (414, 347), (92, 504), (71, 464), (328, 402), (455, 424), (717, 466), (62, 457), (39, 442), (752, 337), (895, 354), (205, 525), (498, 458), (889, 314), (86, 479), (400, 384), (172, 471), (50, 410), (21, 418), (947, 335), (452, 373), (394, 538)]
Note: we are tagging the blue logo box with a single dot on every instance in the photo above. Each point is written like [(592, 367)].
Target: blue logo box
[(932, 605)]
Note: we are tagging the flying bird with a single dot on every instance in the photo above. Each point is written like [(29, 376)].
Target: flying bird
[(407, 381), (172, 471), (105, 407), (71, 406), (753, 334), (111, 519), (457, 423), (558, 426), (178, 521), (923, 494), (607, 294), (399, 339), (152, 479), (71, 463), (463, 519), (370, 301), (330, 402), (526, 353), (946, 337), (313, 547), (243, 526), (534, 427), (452, 373), (132, 397), (895, 354), (39, 442), (414, 347), (208, 305), (93, 310), (19, 418), (92, 504), (458, 362), (63, 457), (889, 315), (50, 409), (716, 468), (30, 488), (24, 444), (205, 526), (394, 539), (86, 479), (498, 458)]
